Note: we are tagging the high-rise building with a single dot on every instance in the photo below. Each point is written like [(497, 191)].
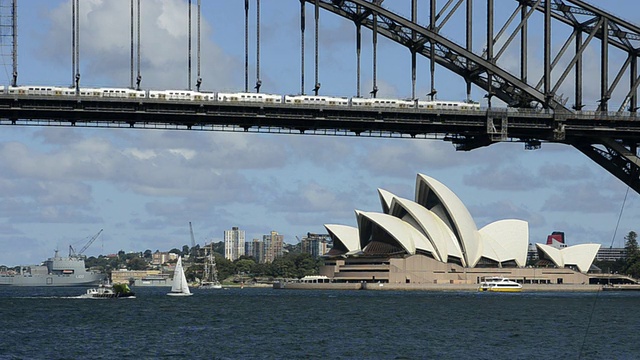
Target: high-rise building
[(273, 246), (233, 243), (254, 249), (315, 244)]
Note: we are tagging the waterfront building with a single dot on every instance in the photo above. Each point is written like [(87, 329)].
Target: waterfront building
[(131, 276), (434, 239), (233, 243)]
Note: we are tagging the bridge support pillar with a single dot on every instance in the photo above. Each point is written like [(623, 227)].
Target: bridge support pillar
[(497, 127)]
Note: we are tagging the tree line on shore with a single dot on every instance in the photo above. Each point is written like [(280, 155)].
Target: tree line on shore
[(293, 264)]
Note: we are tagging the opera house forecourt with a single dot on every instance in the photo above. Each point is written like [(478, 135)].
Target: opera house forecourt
[(433, 241)]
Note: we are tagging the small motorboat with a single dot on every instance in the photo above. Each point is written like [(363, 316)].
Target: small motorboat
[(108, 291)]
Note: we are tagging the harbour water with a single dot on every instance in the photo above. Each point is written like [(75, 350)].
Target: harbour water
[(262, 323)]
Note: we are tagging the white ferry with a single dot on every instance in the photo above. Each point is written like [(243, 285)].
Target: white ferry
[(499, 284)]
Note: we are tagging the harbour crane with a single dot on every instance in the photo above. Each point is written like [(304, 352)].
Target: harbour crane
[(72, 251), (193, 239)]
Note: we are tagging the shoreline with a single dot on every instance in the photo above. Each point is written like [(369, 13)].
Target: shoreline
[(448, 287)]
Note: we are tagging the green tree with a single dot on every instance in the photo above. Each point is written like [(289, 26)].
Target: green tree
[(219, 247), (195, 251), (225, 267), (260, 270), (283, 267), (306, 265), (137, 263), (633, 254), (244, 266)]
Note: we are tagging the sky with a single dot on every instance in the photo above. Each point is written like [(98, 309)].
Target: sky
[(60, 186)]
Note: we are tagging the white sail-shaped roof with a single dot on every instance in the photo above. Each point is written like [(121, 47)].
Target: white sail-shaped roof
[(408, 237), (436, 197), (581, 255), (552, 254), (438, 224), (490, 249), (441, 237), (385, 200), (345, 238), (506, 240)]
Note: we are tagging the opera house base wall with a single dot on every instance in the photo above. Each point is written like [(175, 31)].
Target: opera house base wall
[(418, 270)]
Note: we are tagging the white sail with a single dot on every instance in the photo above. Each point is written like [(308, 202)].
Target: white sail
[(179, 286)]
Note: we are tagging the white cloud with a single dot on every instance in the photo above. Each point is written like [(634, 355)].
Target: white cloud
[(144, 186), (105, 45)]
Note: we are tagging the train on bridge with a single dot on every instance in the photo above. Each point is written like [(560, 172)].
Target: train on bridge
[(237, 97)]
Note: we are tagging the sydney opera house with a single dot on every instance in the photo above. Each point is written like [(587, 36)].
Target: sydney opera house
[(434, 240)]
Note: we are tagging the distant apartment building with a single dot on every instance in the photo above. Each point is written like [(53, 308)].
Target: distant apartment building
[(266, 250), (273, 246), (234, 245), (315, 244), (254, 249), (159, 258)]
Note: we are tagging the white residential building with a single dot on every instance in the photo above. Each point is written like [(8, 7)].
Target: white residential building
[(233, 243)]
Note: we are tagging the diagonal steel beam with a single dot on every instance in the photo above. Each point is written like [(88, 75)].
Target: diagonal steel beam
[(620, 160), (522, 25), (448, 54)]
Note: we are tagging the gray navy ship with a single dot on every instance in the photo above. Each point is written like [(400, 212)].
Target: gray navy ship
[(56, 271)]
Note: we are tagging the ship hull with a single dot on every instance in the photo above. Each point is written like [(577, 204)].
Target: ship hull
[(51, 280)]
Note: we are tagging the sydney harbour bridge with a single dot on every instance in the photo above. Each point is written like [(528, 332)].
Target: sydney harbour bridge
[(521, 107)]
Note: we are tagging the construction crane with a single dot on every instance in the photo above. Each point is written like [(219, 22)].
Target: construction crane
[(72, 251), (193, 239)]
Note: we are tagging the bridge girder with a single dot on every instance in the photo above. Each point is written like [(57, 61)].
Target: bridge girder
[(484, 69), (620, 159), (616, 155), (447, 53)]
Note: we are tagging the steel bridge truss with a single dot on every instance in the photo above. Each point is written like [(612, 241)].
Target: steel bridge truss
[(587, 27)]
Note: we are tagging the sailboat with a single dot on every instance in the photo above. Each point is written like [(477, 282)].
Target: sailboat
[(210, 278), (179, 286)]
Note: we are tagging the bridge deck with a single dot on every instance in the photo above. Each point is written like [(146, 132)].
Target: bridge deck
[(492, 124)]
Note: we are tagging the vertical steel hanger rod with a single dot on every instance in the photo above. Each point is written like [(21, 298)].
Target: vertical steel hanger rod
[(258, 81)]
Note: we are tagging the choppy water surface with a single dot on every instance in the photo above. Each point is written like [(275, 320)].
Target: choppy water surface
[(48, 323)]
